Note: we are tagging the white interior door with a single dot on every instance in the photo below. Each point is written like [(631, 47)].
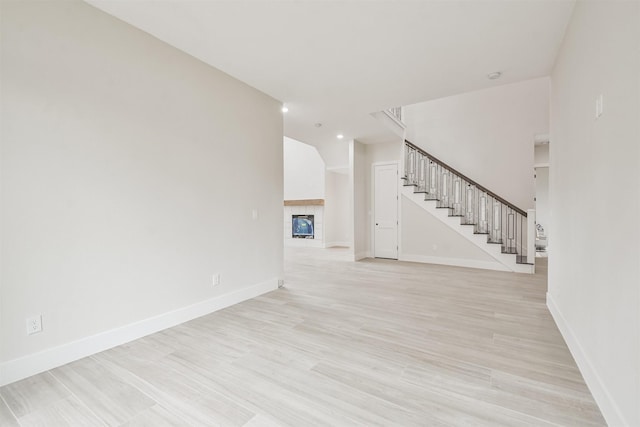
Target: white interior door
[(385, 211)]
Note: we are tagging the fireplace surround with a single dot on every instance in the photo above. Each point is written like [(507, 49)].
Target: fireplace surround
[(303, 223)]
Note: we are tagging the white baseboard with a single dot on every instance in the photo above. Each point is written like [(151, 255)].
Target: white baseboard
[(361, 255), (610, 410), (337, 244), (457, 262), (17, 369)]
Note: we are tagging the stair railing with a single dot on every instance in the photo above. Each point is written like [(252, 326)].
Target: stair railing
[(502, 222), (396, 112)]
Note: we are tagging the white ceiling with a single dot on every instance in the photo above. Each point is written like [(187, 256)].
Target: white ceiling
[(335, 62)]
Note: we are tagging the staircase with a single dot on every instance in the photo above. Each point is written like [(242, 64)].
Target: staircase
[(504, 231)]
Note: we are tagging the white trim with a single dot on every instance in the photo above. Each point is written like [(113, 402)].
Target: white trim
[(391, 123), (541, 165), (337, 244), (361, 255), (17, 369), (394, 119), (541, 139), (385, 163), (303, 243), (457, 262), (606, 403)]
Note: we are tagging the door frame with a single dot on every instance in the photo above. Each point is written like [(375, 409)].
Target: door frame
[(372, 213)]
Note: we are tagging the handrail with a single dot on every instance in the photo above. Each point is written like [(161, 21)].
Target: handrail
[(470, 181)]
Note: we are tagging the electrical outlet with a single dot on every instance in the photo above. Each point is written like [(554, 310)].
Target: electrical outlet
[(280, 283), (34, 325), (216, 279)]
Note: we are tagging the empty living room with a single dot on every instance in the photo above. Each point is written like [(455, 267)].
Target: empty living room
[(285, 213)]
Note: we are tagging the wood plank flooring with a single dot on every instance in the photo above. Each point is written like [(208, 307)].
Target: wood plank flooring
[(370, 343)]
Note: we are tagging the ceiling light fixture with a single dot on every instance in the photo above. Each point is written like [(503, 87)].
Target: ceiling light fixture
[(340, 136), (284, 109), (495, 75), (318, 125)]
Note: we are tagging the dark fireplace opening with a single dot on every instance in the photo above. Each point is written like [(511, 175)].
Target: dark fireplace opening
[(302, 226)]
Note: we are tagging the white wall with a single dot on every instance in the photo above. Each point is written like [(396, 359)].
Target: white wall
[(426, 239), (542, 199), (594, 273), (303, 171), (358, 208), (487, 135), (543, 210), (336, 209), (335, 154), (129, 175), (541, 155)]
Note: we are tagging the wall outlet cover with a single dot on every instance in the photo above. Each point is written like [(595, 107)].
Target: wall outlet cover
[(34, 325)]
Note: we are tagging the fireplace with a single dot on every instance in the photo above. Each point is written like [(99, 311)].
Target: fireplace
[(302, 227), (304, 223)]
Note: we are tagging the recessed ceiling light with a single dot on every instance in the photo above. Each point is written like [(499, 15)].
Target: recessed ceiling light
[(340, 136), (318, 125), (284, 109), (494, 75)]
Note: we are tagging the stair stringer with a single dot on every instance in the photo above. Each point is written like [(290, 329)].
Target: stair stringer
[(479, 240)]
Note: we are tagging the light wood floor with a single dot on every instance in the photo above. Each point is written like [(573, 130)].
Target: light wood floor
[(370, 343)]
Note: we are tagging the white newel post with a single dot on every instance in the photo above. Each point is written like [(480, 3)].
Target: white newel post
[(531, 236)]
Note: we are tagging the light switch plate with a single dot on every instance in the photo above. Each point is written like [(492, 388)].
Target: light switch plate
[(599, 106)]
